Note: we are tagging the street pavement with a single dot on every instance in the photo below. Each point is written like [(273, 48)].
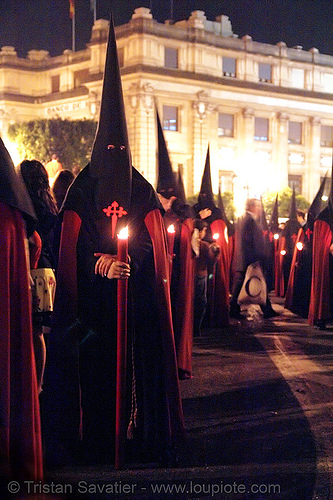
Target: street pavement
[(258, 414)]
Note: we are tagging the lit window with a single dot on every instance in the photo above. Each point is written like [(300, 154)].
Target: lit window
[(55, 83), (226, 180), (226, 125), (80, 76), (121, 57), (229, 66), (295, 133), (265, 72), (261, 129), (170, 57), (326, 138), (170, 118), (297, 78), (295, 181)]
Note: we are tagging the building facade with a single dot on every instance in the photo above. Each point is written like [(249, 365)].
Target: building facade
[(265, 110)]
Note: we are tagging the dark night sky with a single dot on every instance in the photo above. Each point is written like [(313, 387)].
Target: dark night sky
[(45, 24)]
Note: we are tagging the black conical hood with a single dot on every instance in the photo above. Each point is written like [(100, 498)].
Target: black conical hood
[(206, 196), (180, 188), (166, 179), (316, 205), (111, 157), (13, 191), (330, 198), (292, 208), (262, 217), (220, 205), (274, 220)]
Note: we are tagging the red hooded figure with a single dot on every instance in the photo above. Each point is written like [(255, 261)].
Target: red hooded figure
[(178, 215), (20, 432), (107, 195), (321, 298)]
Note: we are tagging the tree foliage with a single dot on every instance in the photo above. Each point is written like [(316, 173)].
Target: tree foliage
[(71, 140), (284, 199)]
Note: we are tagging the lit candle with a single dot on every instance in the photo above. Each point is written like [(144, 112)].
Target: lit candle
[(171, 238), (216, 236), (122, 256)]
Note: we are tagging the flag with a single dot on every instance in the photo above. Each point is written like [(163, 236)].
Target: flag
[(71, 9)]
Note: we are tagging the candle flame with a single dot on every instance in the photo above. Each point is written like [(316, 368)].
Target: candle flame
[(123, 233), (283, 252), (171, 229), (299, 245), (276, 236), (216, 236)]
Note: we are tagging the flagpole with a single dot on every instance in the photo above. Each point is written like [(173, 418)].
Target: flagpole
[(72, 16), (73, 33), (93, 7)]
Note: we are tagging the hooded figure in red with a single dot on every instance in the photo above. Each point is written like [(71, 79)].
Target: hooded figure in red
[(20, 433), (321, 298), (299, 284), (171, 190), (218, 284), (274, 238), (81, 394), (287, 244)]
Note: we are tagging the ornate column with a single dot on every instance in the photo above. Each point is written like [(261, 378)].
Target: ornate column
[(281, 151), (201, 106), (312, 167), (141, 128)]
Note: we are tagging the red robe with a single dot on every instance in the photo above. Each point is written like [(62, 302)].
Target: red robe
[(20, 432), (320, 299), (220, 299), (183, 317), (66, 310)]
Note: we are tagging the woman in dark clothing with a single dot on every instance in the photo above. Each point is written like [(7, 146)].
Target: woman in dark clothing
[(36, 180)]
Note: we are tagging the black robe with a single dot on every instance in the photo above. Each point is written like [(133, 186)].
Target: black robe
[(83, 337)]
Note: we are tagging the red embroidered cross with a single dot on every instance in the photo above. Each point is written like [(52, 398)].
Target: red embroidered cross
[(293, 237), (308, 233), (114, 211)]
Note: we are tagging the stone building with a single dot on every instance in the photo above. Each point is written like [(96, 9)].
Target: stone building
[(265, 110)]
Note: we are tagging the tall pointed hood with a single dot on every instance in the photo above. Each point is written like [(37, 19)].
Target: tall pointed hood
[(327, 213), (292, 207), (330, 199), (13, 191), (274, 220), (316, 205), (166, 180), (262, 218), (180, 188), (220, 206), (206, 196), (111, 158)]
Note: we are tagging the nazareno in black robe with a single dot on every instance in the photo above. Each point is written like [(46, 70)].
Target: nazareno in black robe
[(80, 397)]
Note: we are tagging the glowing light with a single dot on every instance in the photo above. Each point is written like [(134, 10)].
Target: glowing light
[(283, 252), (324, 197), (276, 236), (226, 237), (171, 229), (216, 236), (123, 233), (299, 245)]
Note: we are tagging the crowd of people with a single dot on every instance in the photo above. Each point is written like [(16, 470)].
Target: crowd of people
[(184, 268)]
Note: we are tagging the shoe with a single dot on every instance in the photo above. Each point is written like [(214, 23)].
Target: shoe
[(321, 324), (237, 315), (270, 313)]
